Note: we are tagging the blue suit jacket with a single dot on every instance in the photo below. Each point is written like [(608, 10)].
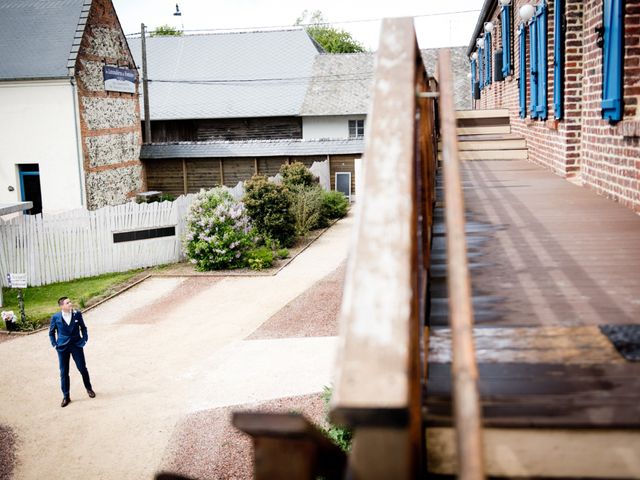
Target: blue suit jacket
[(73, 335)]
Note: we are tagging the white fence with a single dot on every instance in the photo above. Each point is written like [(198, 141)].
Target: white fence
[(79, 243)]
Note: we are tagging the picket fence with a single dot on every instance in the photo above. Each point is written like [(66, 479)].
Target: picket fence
[(79, 243)]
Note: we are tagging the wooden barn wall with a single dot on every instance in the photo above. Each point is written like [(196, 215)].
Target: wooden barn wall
[(270, 166), (343, 163), (172, 131), (165, 176), (202, 173), (237, 170)]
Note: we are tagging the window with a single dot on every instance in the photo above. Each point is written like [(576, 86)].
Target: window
[(612, 60), (487, 55), (473, 79), (480, 68), (538, 63), (30, 186), (522, 81), (558, 57), (356, 128), (505, 16)]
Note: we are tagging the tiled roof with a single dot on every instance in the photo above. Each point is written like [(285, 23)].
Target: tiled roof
[(461, 73), (227, 75), (340, 85), (254, 148), (40, 38)]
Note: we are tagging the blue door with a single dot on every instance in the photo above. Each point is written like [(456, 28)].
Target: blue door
[(30, 186)]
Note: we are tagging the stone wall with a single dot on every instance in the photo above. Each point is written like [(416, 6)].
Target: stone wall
[(109, 121), (601, 155)]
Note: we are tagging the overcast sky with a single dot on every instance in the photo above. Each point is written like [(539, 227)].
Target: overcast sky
[(433, 30)]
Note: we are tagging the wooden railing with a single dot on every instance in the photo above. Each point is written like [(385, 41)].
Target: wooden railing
[(383, 340)]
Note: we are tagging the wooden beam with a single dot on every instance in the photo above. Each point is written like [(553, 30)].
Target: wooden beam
[(184, 176), (221, 172)]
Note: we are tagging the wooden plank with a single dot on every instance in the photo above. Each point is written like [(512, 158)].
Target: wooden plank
[(483, 130), (497, 113), (482, 144)]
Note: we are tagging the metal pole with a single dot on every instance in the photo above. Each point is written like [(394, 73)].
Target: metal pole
[(145, 85)]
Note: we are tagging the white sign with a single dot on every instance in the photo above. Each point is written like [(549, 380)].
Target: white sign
[(117, 79), (17, 280)]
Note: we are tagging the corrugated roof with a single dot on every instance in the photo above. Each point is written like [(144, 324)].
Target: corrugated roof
[(37, 37), (254, 148), (341, 85), (227, 75)]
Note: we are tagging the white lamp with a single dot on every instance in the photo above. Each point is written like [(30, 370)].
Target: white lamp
[(526, 12), (474, 56), (479, 42), (488, 27), (504, 3)]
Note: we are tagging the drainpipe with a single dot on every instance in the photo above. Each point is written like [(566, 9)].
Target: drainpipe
[(76, 118)]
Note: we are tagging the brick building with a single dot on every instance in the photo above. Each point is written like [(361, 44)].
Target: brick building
[(570, 78), (69, 106)]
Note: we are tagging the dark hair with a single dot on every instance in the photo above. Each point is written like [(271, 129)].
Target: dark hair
[(60, 300)]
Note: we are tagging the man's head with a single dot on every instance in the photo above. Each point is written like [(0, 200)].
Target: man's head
[(65, 304)]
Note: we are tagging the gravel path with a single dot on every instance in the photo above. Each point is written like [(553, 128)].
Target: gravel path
[(7, 452), (163, 351)]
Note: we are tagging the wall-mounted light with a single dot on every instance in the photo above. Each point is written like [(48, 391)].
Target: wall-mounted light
[(488, 27), (11, 189), (528, 10), (504, 3), (480, 42), (474, 56)]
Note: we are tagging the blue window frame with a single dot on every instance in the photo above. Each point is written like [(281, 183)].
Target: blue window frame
[(558, 58), (480, 69), (505, 16), (487, 58), (612, 61), (522, 81), (538, 63)]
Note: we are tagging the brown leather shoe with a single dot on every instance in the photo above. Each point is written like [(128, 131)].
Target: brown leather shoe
[(65, 402), (91, 394)]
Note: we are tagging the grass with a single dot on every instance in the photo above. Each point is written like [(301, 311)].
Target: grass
[(42, 302)]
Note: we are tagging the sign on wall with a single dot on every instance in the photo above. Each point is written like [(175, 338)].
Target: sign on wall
[(118, 79), (17, 280)]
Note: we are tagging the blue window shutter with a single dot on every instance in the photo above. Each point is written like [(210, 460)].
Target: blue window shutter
[(487, 54), (541, 55), (612, 60), (506, 40), (473, 76), (480, 69), (533, 67), (523, 71), (558, 58)]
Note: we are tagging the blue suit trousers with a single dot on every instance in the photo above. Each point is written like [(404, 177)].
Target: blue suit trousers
[(78, 357)]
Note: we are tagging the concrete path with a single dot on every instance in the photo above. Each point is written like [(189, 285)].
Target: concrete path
[(164, 349)]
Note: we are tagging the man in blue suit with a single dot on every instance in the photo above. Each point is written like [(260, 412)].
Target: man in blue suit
[(72, 336)]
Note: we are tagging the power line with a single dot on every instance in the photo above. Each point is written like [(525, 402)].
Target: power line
[(305, 25)]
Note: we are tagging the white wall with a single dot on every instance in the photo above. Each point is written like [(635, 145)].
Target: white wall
[(37, 125), (328, 126)]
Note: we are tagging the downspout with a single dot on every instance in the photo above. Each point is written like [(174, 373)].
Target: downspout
[(76, 119)]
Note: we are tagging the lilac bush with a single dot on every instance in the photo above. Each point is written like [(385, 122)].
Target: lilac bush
[(219, 233)]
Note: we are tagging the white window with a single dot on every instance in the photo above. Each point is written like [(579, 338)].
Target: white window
[(356, 128)]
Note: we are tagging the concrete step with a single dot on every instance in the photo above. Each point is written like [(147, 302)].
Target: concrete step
[(519, 154), (497, 113), (484, 130), (487, 144)]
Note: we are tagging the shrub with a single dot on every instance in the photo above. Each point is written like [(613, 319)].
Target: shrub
[(218, 231), (297, 174), (341, 436), (306, 207), (269, 207), (282, 253), (260, 258), (334, 204)]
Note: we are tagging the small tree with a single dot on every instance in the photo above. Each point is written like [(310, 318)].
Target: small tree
[(166, 31), (297, 174), (269, 207), (331, 39)]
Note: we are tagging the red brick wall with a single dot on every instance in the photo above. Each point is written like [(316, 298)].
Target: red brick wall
[(605, 157)]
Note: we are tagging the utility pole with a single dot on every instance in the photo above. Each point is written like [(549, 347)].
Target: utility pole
[(145, 85)]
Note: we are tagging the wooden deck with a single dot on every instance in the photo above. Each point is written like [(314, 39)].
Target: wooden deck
[(550, 262)]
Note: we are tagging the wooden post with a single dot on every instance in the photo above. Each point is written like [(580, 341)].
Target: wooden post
[(466, 399), (184, 176), (255, 165), (221, 172)]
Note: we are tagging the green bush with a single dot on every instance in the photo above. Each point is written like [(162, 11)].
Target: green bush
[(260, 258), (297, 174), (334, 204), (341, 436), (306, 207), (282, 253), (218, 231), (269, 208)]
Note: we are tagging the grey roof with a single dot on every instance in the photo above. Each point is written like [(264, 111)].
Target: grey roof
[(253, 148), (460, 69), (341, 85), (40, 38), (227, 75)]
